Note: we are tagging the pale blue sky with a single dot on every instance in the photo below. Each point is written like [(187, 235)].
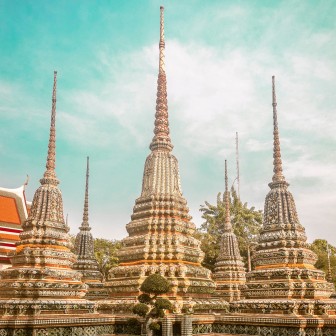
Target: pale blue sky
[(220, 59)]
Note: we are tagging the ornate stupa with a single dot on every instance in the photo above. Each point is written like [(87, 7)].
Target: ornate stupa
[(41, 291), (284, 278), (229, 272), (161, 234), (84, 248)]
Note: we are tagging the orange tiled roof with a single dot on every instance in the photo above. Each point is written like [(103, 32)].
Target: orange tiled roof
[(8, 210), (13, 212)]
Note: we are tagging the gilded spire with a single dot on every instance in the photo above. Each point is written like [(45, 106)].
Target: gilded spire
[(161, 139), (49, 176), (227, 222), (85, 222), (277, 163)]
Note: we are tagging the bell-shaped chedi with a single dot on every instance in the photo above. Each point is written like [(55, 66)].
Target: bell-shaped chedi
[(84, 248), (284, 265), (41, 279), (161, 234), (229, 272)]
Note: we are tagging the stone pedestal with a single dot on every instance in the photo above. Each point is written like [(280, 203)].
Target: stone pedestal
[(167, 327), (186, 325)]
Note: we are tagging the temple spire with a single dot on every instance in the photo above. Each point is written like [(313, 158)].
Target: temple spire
[(162, 67), (161, 139), (227, 222), (277, 163), (85, 222), (49, 176)]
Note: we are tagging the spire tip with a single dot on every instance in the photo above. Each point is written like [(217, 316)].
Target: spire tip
[(50, 175), (277, 162)]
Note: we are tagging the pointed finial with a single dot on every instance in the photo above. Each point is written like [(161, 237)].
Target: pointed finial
[(277, 163), (161, 139), (162, 42), (26, 182), (49, 176), (85, 222), (227, 223)]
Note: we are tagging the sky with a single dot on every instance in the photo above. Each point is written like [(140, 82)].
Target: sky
[(220, 57)]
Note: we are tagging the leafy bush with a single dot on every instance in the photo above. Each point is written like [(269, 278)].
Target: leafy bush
[(150, 306), (154, 326), (140, 309), (144, 298), (133, 326), (133, 321), (156, 284), (161, 303)]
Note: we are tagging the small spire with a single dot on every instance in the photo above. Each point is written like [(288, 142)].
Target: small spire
[(227, 222), (85, 222), (277, 163), (161, 139), (49, 176)]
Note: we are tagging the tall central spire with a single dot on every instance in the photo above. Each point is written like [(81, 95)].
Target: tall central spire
[(277, 162), (161, 139), (161, 234), (50, 175)]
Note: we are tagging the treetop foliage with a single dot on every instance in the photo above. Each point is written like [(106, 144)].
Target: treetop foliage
[(319, 246)]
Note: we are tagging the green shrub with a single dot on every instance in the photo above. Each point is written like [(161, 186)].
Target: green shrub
[(161, 303), (144, 298), (156, 284), (161, 313), (133, 321), (154, 326), (140, 309)]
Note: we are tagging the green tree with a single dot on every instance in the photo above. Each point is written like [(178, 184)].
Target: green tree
[(319, 246), (150, 306), (106, 254), (246, 222)]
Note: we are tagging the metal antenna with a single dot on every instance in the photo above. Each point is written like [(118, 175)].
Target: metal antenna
[(237, 165), (329, 276)]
